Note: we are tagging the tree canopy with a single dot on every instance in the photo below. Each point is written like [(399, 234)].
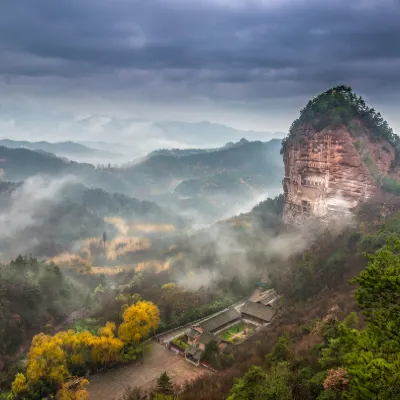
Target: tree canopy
[(340, 106)]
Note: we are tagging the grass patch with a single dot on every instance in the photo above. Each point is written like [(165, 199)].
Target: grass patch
[(230, 333), (87, 324)]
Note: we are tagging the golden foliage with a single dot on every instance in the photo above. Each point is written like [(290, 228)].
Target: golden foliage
[(125, 228), (168, 286), (46, 359), (73, 390), (70, 260), (50, 356), (115, 248), (19, 384), (138, 321), (150, 228), (123, 245), (158, 266), (108, 330)]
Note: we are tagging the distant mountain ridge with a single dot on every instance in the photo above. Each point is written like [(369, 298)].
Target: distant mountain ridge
[(210, 180), (71, 150), (206, 182), (130, 136)]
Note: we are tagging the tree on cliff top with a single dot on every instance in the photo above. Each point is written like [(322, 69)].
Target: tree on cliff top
[(340, 106)]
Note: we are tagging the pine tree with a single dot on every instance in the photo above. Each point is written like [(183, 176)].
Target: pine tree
[(164, 384)]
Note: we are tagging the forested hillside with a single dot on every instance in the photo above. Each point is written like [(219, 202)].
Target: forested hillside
[(44, 217), (331, 342)]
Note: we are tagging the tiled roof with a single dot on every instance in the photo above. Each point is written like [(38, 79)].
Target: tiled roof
[(193, 333), (194, 352), (264, 296), (219, 320), (266, 313)]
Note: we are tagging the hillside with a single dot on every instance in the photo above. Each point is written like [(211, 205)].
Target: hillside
[(338, 153), (20, 164), (71, 150), (216, 179), (46, 217)]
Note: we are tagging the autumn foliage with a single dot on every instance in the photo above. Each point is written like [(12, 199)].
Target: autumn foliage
[(53, 359), (139, 320)]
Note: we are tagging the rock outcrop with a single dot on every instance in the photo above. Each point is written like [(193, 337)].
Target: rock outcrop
[(326, 174)]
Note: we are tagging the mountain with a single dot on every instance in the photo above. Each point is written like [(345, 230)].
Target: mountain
[(44, 217), (20, 164), (71, 150), (216, 182), (338, 153), (130, 136), (207, 184), (208, 132)]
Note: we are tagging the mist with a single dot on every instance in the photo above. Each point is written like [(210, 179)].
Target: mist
[(28, 206), (220, 252)]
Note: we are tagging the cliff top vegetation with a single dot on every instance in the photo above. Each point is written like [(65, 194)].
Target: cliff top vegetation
[(340, 106)]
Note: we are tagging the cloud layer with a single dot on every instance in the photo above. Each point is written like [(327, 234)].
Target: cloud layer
[(258, 56)]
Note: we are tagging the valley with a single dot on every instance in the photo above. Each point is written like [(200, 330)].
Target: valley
[(188, 274)]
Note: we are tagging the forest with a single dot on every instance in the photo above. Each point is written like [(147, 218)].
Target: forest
[(338, 338), (38, 298), (325, 346)]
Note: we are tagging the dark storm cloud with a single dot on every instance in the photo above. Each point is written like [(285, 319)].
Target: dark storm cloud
[(218, 49)]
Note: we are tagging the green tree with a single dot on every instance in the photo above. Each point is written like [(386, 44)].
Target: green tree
[(258, 385), (371, 356), (164, 385)]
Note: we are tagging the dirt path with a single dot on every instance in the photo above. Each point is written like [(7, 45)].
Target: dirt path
[(110, 385)]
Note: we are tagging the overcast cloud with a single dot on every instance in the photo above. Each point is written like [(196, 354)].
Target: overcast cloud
[(250, 64)]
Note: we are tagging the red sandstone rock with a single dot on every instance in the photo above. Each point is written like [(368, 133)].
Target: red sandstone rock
[(325, 174)]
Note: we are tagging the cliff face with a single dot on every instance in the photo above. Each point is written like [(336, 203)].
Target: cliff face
[(326, 174)]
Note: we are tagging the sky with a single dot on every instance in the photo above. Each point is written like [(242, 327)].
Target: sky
[(249, 64)]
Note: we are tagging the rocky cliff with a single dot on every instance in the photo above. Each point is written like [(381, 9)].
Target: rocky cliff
[(329, 171)]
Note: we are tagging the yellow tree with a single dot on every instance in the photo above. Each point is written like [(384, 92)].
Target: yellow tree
[(108, 330), (75, 344), (19, 385), (46, 359), (105, 350), (138, 321), (51, 357), (74, 389)]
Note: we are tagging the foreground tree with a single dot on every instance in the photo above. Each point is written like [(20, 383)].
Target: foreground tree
[(164, 385), (138, 321), (371, 357)]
